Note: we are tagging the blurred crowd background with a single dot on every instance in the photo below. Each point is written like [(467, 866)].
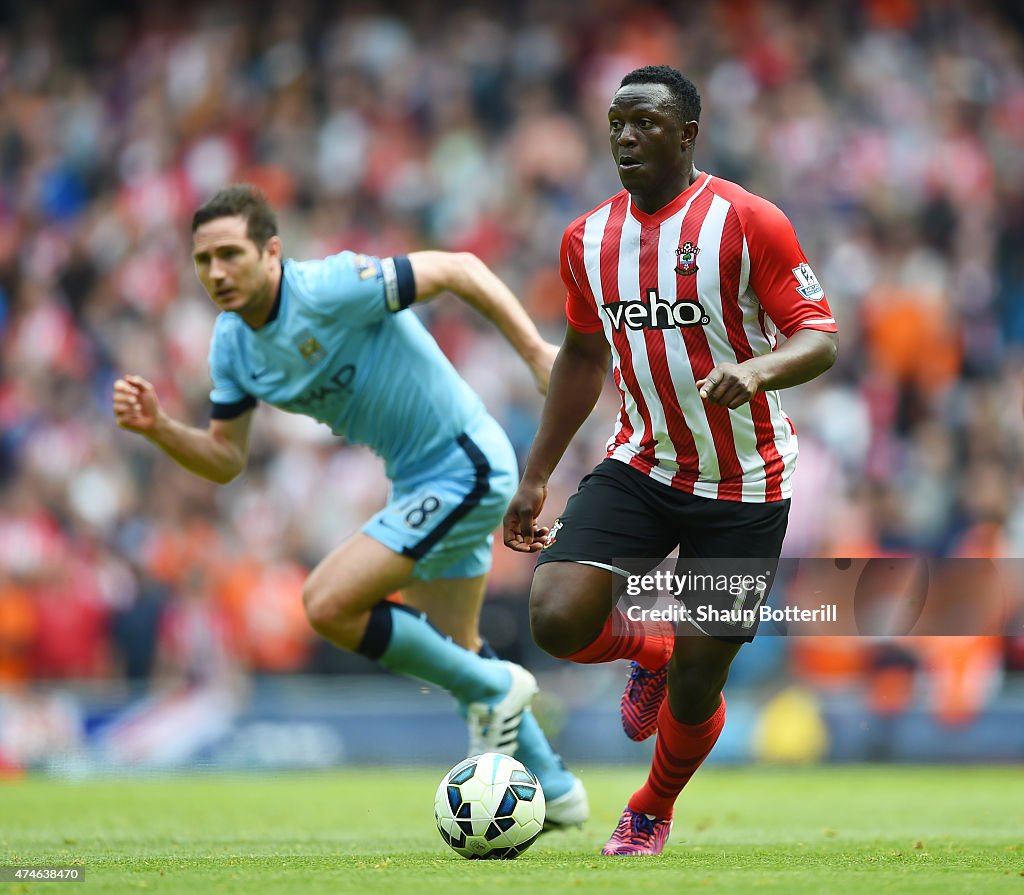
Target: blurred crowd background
[(890, 131)]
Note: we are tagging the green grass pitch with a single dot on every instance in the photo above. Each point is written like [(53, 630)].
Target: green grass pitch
[(754, 830)]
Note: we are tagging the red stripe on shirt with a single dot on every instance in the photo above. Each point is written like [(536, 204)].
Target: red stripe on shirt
[(730, 260), (610, 288), (701, 362), (678, 431)]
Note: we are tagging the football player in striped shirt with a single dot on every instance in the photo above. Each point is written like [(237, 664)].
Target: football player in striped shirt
[(332, 339), (683, 281)]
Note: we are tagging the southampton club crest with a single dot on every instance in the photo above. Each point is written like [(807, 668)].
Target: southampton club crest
[(686, 259), (551, 538)]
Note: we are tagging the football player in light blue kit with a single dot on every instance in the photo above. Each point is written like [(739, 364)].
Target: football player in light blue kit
[(330, 339)]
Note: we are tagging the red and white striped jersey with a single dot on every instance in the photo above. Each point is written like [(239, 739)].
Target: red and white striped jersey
[(708, 279)]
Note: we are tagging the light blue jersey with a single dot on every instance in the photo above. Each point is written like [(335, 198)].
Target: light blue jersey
[(337, 351), (340, 348)]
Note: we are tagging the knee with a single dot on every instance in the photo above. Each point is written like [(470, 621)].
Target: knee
[(322, 606), (560, 625), (567, 611), (552, 625)]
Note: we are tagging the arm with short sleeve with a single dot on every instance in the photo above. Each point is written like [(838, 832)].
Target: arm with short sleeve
[(578, 375), (780, 276), (791, 296), (468, 277)]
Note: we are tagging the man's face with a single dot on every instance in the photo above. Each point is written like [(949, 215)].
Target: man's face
[(648, 140), (235, 273)]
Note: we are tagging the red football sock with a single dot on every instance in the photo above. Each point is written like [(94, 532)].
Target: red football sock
[(679, 751), (650, 644)]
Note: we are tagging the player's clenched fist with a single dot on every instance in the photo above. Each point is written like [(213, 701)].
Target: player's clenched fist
[(729, 385), (519, 528), (135, 404)]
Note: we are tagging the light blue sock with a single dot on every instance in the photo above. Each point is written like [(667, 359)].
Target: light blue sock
[(403, 641), (535, 751)]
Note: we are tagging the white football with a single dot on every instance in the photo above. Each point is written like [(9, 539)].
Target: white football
[(489, 806)]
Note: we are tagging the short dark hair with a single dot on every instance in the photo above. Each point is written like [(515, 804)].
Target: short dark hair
[(240, 200), (684, 93)]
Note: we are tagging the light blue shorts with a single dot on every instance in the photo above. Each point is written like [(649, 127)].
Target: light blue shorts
[(444, 517)]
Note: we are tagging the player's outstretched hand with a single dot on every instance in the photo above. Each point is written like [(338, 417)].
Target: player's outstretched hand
[(520, 530), (136, 406), (541, 366), (730, 385)]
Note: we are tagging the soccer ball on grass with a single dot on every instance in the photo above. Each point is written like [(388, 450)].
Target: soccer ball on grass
[(489, 806)]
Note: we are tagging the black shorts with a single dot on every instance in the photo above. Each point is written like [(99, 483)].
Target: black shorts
[(622, 519)]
